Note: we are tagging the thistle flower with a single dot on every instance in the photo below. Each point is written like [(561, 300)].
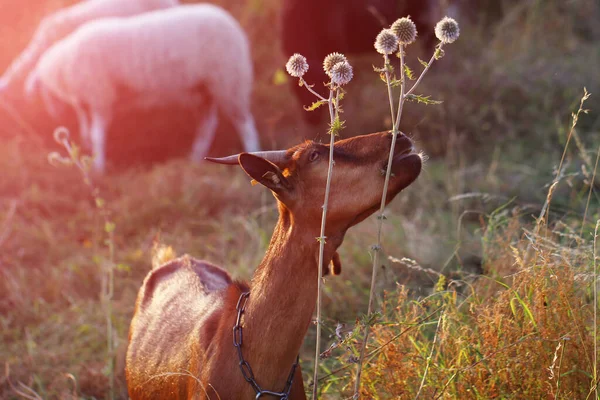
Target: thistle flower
[(297, 65), (341, 73), (386, 42), (405, 29), (331, 60), (447, 30)]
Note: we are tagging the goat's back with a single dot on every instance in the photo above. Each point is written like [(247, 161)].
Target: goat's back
[(172, 319)]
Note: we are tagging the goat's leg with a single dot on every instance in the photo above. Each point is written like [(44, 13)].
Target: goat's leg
[(98, 131), (247, 131), (205, 133)]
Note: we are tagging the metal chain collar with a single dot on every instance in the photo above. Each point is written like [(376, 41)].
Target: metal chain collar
[(245, 367)]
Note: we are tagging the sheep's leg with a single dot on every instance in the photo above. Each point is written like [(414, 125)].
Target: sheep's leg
[(84, 127), (247, 131), (98, 133), (205, 134)]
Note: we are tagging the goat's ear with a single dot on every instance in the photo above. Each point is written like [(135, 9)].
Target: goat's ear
[(264, 172)]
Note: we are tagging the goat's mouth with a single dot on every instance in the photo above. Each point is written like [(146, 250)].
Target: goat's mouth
[(406, 161), (406, 167)]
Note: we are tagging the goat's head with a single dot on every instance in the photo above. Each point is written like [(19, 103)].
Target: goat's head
[(297, 177)]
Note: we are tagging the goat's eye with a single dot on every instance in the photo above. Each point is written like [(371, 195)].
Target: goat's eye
[(313, 156)]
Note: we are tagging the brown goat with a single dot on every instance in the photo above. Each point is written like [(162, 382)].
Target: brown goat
[(181, 340)]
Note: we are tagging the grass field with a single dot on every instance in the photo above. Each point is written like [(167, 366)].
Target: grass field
[(491, 289)]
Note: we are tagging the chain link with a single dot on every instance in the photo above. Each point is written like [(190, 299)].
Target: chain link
[(238, 339)]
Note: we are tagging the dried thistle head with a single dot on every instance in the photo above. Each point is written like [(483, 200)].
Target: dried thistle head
[(331, 60), (447, 30), (61, 134), (297, 65), (405, 30), (386, 42), (341, 73), (55, 159)]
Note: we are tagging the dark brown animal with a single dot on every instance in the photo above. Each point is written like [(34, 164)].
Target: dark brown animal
[(181, 338)]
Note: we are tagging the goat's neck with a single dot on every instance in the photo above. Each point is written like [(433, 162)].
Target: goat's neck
[(282, 299)]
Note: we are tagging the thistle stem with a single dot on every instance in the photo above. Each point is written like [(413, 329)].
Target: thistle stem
[(401, 100), (377, 247), (322, 237), (439, 46), (310, 89)]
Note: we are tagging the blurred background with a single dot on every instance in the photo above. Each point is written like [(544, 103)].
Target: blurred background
[(508, 88)]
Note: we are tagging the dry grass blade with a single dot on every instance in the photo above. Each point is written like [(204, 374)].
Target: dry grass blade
[(587, 203), (437, 329), (23, 390), (7, 223), (542, 218), (596, 305)]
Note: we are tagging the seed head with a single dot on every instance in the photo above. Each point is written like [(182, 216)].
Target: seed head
[(297, 65), (331, 60), (341, 73), (447, 30), (386, 42), (61, 134), (405, 29)]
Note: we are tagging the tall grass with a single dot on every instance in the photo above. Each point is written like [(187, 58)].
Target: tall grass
[(527, 328)]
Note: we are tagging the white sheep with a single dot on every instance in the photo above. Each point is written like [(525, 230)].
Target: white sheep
[(61, 23), (191, 54)]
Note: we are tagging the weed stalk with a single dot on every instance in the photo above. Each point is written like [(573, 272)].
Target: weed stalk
[(544, 213), (595, 265), (322, 239), (83, 163), (339, 70)]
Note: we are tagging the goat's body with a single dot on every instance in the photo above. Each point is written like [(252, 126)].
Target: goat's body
[(192, 292), (181, 338)]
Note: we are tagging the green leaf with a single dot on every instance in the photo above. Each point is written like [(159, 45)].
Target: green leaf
[(315, 105), (408, 72), (439, 53), (123, 267), (370, 319), (336, 126), (321, 239), (423, 63), (279, 77), (109, 227), (419, 98), (75, 152)]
